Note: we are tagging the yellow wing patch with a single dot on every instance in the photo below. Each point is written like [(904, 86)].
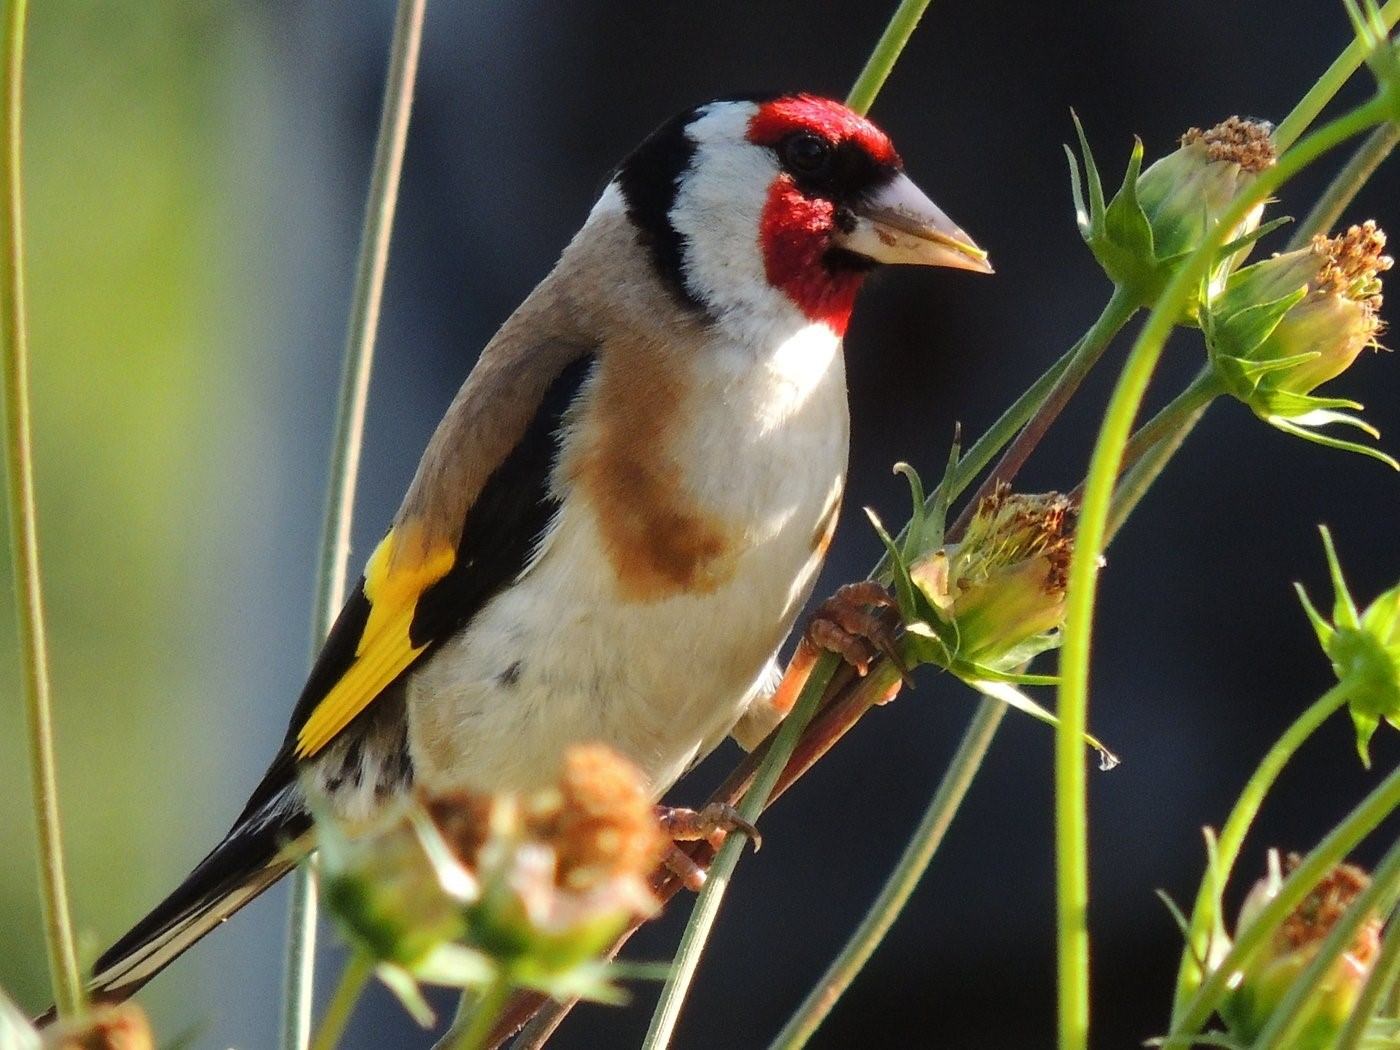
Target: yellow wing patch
[(393, 585)]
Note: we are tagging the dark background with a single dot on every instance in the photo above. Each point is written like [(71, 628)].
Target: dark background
[(1202, 655)]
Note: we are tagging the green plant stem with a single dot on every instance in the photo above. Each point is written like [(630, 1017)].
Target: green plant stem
[(1331, 851), (24, 533), (346, 445), (902, 880), (1202, 390), (885, 54), (1282, 1030), (1232, 835), (1383, 977), (485, 1009), (702, 917), (1117, 312), (359, 968), (1011, 422), (1142, 475), (1291, 128), (1343, 189), (1071, 819)]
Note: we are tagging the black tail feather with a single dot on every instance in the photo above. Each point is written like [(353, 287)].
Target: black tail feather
[(251, 857)]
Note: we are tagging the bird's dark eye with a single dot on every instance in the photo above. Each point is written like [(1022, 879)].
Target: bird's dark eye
[(806, 154)]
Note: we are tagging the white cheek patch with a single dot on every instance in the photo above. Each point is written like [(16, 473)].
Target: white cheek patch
[(718, 211)]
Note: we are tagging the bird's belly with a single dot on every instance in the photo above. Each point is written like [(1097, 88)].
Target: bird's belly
[(557, 659)]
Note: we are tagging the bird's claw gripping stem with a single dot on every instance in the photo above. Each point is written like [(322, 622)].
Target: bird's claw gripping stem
[(856, 623), (711, 824)]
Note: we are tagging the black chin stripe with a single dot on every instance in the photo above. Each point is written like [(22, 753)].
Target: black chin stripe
[(649, 179)]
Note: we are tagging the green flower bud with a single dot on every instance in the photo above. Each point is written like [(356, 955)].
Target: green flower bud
[(392, 893), (1161, 215), (1271, 974), (1284, 326), (1364, 648), (1002, 587)]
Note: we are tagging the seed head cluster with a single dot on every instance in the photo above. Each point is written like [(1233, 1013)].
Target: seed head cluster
[(1238, 140)]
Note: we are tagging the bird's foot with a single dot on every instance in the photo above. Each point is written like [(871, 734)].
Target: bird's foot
[(857, 623), (711, 824)]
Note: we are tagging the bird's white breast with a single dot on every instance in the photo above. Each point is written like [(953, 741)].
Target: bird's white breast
[(571, 652)]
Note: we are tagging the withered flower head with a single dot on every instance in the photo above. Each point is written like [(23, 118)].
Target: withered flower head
[(1286, 325), (1263, 986), (1004, 583), (535, 882), (122, 1027), (1236, 140), (564, 870)]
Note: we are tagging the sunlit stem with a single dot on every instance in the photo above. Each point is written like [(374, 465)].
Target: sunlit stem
[(346, 444), (24, 533), (900, 884), (1232, 834), (1071, 815)]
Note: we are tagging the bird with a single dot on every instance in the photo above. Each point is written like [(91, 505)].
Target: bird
[(619, 519)]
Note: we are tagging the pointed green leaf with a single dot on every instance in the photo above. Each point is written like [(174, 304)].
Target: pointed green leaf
[(1081, 213), (1174, 911), (914, 533), (903, 585), (1240, 334), (1013, 697), (1239, 243), (937, 524), (1091, 174), (1320, 627), (405, 989), (1366, 723), (1125, 223), (1330, 442), (456, 966)]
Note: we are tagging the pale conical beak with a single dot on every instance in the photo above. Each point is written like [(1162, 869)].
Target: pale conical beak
[(900, 224)]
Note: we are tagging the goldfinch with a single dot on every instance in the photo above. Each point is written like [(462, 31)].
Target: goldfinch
[(623, 511)]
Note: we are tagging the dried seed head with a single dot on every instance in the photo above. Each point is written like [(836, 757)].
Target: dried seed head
[(1310, 923), (1274, 971), (1004, 583), (121, 1027), (1352, 264), (606, 825), (1013, 527), (1238, 140)]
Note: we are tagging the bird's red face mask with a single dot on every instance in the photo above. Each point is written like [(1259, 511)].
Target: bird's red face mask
[(840, 205)]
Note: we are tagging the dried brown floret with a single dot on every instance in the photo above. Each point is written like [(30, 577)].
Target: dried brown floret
[(1239, 140)]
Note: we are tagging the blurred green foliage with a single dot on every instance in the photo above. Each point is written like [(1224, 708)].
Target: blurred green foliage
[(144, 136)]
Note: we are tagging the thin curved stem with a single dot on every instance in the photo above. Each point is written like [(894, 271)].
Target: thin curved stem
[(1236, 826), (346, 446), (485, 1010), (1343, 189), (1383, 977), (1282, 1030), (1311, 105), (24, 533), (1118, 311), (1071, 821), (885, 54), (1331, 851), (702, 917), (900, 884), (359, 968)]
